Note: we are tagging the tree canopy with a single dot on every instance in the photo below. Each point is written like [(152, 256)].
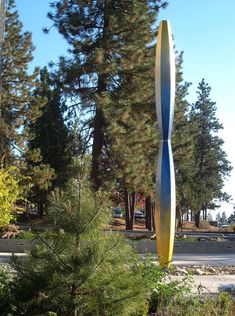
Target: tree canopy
[(99, 103)]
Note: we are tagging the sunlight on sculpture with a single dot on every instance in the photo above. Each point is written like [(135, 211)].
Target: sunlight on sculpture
[(165, 180)]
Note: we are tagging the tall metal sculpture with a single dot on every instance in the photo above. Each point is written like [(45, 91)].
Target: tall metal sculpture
[(165, 180)]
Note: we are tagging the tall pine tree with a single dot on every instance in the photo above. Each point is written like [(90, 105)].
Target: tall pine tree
[(182, 144), (108, 43), (51, 136), (19, 107), (212, 166)]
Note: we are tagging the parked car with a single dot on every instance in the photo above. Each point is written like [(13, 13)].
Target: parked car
[(139, 214), (117, 212), (224, 225)]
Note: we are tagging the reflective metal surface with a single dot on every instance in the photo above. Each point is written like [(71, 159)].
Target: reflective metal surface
[(165, 178)]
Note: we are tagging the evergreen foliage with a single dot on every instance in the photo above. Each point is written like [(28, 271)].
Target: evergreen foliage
[(109, 68), (212, 166), (108, 80), (19, 107), (79, 268), (51, 136), (223, 217), (231, 218), (182, 144)]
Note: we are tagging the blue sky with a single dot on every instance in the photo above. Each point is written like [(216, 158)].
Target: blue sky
[(203, 29)]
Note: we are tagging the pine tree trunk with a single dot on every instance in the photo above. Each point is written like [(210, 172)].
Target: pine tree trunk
[(99, 121), (182, 220), (178, 219), (148, 214), (153, 215), (187, 216), (97, 148), (129, 209), (40, 209), (132, 209), (192, 216), (204, 213), (197, 219), (41, 203)]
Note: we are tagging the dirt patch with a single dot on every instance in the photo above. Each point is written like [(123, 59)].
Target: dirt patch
[(119, 224)]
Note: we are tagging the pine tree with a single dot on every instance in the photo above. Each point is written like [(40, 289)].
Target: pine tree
[(182, 144), (231, 218), (223, 217), (212, 166), (51, 136), (218, 217), (80, 268), (108, 48), (19, 107)]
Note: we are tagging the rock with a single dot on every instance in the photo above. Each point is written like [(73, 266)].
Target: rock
[(181, 271), (203, 270), (211, 270), (198, 272)]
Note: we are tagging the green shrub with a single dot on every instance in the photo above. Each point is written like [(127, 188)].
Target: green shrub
[(197, 305), (26, 234), (168, 297), (79, 268)]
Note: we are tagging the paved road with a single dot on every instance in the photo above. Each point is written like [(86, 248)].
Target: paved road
[(203, 259), (178, 259)]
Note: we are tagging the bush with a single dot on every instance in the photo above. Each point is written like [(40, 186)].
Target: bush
[(197, 305), (26, 234), (174, 298), (10, 192)]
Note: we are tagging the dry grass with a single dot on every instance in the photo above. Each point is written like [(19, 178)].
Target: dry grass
[(119, 224)]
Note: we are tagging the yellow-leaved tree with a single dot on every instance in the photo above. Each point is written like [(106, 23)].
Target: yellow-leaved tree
[(10, 192)]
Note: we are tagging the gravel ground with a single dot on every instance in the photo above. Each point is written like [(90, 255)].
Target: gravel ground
[(203, 270)]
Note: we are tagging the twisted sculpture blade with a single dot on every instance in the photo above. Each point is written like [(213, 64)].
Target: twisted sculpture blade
[(165, 179)]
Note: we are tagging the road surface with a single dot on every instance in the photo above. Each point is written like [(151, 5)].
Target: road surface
[(219, 259)]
